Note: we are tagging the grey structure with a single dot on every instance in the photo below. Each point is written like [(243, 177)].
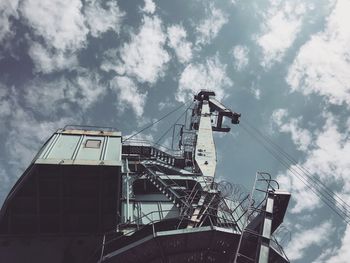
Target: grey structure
[(88, 196)]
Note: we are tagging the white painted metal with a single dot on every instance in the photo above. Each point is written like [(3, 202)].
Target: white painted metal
[(205, 155)]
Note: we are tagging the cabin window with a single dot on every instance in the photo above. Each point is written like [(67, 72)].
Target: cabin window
[(93, 144)]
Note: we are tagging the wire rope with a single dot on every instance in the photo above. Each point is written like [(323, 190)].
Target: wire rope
[(167, 131), (298, 166), (325, 195), (155, 122)]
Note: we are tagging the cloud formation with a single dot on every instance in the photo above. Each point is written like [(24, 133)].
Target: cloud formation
[(59, 97), (8, 10), (322, 65), (325, 153), (150, 7), (301, 137), (177, 40), (144, 57), (281, 25), (240, 54), (128, 95), (305, 238), (100, 18), (209, 75), (209, 28), (61, 27), (340, 254)]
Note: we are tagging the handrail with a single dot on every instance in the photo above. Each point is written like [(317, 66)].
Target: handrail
[(157, 146), (89, 128), (153, 223), (211, 214), (278, 247)]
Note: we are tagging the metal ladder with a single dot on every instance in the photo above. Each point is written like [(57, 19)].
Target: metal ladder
[(258, 222)]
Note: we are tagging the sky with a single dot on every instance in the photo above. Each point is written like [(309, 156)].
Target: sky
[(284, 65)]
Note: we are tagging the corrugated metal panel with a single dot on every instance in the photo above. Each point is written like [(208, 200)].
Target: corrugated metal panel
[(114, 148), (73, 148), (87, 152), (63, 147)]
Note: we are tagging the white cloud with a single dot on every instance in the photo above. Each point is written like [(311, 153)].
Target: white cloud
[(177, 40), (89, 89), (26, 135), (240, 55), (338, 255), (128, 94), (328, 159), (301, 137), (46, 98), (5, 105), (306, 238), (257, 93), (61, 25), (144, 57), (209, 28), (8, 10), (25, 131), (304, 199), (59, 22), (100, 19), (325, 153), (60, 96), (210, 75), (322, 65), (282, 23), (150, 7), (48, 60)]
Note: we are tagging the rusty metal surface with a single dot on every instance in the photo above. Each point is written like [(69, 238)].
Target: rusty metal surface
[(90, 132)]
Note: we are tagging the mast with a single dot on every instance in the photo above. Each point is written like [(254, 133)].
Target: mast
[(207, 116)]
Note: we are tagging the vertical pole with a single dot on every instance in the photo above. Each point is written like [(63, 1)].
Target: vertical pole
[(266, 230), (246, 221), (103, 247), (127, 191)]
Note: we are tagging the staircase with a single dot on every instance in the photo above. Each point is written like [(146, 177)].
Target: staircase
[(195, 204)]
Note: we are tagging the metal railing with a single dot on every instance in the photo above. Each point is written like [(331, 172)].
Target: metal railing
[(90, 128), (147, 143), (213, 220)]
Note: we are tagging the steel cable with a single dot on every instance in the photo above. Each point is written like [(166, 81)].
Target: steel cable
[(155, 122), (327, 198), (295, 163)]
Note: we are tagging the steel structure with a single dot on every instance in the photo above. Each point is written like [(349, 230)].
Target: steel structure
[(90, 197)]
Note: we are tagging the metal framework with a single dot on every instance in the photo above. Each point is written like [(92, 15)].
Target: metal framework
[(134, 201)]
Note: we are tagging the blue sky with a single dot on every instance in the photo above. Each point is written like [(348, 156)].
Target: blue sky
[(285, 65)]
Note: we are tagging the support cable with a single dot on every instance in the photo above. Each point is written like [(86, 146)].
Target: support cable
[(298, 166), (303, 179), (328, 200), (316, 183), (172, 126), (155, 122)]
